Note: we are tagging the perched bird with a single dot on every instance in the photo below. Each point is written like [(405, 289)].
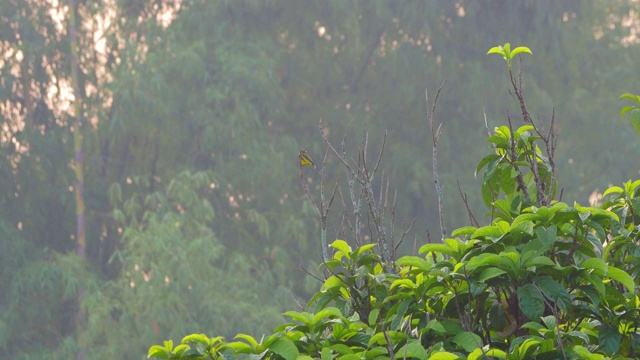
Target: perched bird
[(305, 160)]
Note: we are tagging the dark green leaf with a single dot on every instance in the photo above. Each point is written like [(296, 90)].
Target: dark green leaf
[(530, 302), (609, 338)]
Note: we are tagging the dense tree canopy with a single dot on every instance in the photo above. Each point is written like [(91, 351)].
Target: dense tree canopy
[(192, 115)]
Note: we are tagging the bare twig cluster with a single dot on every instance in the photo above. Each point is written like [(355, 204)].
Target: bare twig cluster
[(545, 184), (369, 206)]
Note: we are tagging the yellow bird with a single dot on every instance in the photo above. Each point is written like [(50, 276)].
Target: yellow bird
[(305, 160)]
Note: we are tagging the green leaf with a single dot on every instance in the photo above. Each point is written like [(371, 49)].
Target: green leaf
[(490, 273), (530, 302), (584, 353), (595, 264), (195, 338), (468, 341), (341, 348), (497, 353), (554, 291), (332, 282), (326, 354), (547, 236), (158, 351), (622, 277), (625, 109), (414, 261), (342, 247), (609, 338), (285, 348), (444, 355), (520, 49), (496, 50), (437, 248), (635, 119), (466, 230), (364, 248), (631, 97), (325, 313), (497, 317)]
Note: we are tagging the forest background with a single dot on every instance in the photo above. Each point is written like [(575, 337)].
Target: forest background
[(191, 115)]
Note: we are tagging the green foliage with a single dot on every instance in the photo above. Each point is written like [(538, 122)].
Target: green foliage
[(507, 53), (542, 280), (633, 110)]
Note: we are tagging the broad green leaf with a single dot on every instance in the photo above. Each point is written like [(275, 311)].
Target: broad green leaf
[(484, 162), (497, 317), (444, 355), (325, 313), (539, 260), (437, 248), (413, 350), (631, 97), (400, 312), (466, 230), (490, 273), (497, 353), (342, 247), (168, 344), (595, 264), (529, 346), (613, 190), (490, 231), (302, 317), (622, 277), (285, 348), (530, 302), (547, 236), (554, 291), (436, 326), (195, 338), (584, 353), (414, 261), (352, 357), (341, 348), (625, 109), (468, 341), (380, 338), (520, 49), (158, 351), (499, 50), (364, 248), (609, 339), (332, 282)]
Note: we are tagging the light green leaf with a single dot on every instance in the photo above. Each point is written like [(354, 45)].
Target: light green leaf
[(285, 348), (468, 341), (622, 277), (520, 49), (444, 355), (158, 351), (613, 190)]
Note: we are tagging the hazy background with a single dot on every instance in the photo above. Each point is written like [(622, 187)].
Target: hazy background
[(192, 116)]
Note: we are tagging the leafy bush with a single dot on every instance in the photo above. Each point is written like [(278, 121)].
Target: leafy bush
[(542, 280)]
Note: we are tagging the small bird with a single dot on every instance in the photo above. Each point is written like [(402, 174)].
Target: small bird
[(305, 160)]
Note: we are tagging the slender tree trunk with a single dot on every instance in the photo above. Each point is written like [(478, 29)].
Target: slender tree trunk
[(78, 166)]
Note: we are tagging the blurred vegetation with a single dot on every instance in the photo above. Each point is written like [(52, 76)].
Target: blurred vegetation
[(193, 114)]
